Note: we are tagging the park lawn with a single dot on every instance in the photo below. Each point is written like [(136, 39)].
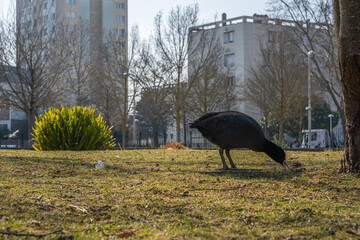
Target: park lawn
[(176, 194)]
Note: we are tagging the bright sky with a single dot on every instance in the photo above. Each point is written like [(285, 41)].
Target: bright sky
[(142, 12)]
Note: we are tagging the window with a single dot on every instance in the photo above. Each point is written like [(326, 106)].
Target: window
[(44, 32), (229, 59), (44, 6), (231, 81), (271, 36), (70, 28), (121, 58), (120, 32), (120, 44), (70, 41), (4, 113), (70, 14), (29, 11), (70, 55), (120, 5), (120, 19), (229, 37), (306, 42), (44, 19), (71, 2)]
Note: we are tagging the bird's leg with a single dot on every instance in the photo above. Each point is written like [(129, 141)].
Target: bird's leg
[(227, 151), (221, 151)]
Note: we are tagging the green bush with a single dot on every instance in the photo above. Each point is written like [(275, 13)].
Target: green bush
[(71, 128)]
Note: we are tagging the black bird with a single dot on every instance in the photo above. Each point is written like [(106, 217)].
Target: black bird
[(231, 130)]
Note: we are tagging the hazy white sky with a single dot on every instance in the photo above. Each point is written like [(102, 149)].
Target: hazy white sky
[(142, 12)]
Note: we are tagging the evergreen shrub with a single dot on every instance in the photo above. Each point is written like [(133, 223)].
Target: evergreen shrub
[(71, 128)]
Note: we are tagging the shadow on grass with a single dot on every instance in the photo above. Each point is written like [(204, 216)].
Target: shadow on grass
[(62, 164), (67, 167), (249, 173)]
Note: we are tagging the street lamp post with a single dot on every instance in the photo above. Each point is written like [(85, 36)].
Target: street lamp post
[(126, 75), (134, 120), (331, 140), (310, 54)]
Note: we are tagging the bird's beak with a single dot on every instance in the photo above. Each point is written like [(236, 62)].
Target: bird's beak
[(285, 165)]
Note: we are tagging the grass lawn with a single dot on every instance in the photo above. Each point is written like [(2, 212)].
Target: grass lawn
[(176, 194)]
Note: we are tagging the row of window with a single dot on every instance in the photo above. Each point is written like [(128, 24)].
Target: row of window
[(32, 10), (229, 59), (120, 32), (120, 44), (72, 28), (70, 14), (118, 5), (229, 37), (120, 19)]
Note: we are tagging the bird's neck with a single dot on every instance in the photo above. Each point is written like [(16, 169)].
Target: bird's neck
[(271, 149)]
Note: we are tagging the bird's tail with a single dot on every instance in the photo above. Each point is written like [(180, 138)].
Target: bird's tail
[(192, 125)]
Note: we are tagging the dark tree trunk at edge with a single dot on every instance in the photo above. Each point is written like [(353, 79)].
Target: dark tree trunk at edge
[(347, 31)]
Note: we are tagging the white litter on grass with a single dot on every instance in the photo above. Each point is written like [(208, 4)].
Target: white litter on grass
[(100, 165)]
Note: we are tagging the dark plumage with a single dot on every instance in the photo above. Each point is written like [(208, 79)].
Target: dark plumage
[(231, 130)]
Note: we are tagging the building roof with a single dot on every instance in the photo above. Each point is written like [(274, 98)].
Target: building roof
[(262, 19)]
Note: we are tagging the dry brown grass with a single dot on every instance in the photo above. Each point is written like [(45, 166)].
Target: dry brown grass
[(173, 145), (157, 194)]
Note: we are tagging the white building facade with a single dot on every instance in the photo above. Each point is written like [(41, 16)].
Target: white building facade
[(241, 39)]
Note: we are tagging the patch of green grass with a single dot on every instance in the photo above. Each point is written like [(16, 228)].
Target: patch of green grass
[(176, 194)]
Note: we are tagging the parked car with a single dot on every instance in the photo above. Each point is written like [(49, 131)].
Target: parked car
[(320, 138)]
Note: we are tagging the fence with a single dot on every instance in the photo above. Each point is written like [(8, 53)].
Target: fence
[(14, 144)]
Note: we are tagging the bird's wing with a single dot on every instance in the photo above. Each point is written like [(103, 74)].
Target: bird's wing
[(199, 122)]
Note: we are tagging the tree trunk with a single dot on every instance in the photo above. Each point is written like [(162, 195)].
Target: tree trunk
[(351, 71), (177, 107), (30, 122), (347, 31), (165, 136), (125, 112), (156, 136), (124, 133), (281, 131), (266, 126), (140, 137), (184, 125)]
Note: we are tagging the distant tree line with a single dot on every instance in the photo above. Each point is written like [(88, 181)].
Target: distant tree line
[(159, 76)]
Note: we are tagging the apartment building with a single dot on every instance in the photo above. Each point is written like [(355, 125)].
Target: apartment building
[(101, 15), (76, 20), (241, 39)]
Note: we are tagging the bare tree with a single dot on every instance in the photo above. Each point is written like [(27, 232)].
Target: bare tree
[(80, 67), (347, 22), (154, 108), (118, 69), (151, 74), (210, 89), (172, 44), (231, 88), (276, 81), (313, 30), (258, 92), (31, 62)]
